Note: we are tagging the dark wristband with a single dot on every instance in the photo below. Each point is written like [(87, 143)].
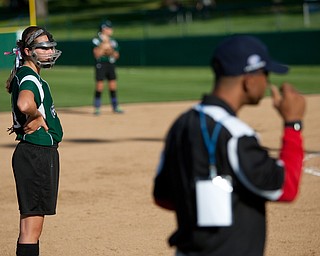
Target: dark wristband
[(296, 125)]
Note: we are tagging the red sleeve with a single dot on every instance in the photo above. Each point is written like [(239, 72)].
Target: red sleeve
[(292, 156)]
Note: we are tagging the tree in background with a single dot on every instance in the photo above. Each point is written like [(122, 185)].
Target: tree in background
[(42, 8), (19, 6)]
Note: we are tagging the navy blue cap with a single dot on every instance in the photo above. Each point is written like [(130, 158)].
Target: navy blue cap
[(106, 24), (241, 54)]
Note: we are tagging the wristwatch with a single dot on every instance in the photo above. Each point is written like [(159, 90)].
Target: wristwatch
[(296, 125)]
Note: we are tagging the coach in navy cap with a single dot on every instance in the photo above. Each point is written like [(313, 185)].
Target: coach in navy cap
[(241, 54), (245, 59), (214, 172)]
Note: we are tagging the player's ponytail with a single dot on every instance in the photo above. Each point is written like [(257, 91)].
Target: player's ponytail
[(17, 64), (28, 36)]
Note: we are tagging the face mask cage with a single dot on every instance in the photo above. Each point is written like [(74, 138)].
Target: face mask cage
[(45, 60)]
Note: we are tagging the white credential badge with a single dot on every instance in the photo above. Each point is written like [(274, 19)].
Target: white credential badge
[(214, 202)]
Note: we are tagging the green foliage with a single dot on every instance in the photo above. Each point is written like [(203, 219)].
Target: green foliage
[(138, 19), (66, 26), (74, 86)]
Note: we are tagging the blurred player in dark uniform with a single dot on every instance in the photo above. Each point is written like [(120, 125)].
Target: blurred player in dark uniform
[(106, 53)]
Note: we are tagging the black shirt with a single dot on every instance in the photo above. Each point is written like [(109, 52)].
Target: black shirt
[(256, 178)]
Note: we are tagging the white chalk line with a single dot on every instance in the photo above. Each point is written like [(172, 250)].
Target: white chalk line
[(312, 170)]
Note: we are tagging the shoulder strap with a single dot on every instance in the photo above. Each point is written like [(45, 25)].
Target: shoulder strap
[(234, 125)]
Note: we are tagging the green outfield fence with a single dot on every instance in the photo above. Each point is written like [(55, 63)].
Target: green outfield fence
[(7, 43), (293, 48)]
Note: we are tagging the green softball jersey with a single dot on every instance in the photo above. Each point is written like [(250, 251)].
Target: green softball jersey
[(114, 44), (27, 79)]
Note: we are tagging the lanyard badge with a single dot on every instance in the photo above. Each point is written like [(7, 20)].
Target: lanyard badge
[(214, 194)]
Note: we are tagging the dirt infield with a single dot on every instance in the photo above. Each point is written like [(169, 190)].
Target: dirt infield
[(107, 167)]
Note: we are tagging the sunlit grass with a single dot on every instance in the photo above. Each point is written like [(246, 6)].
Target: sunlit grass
[(74, 86)]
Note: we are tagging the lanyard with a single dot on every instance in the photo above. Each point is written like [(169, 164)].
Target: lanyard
[(210, 142)]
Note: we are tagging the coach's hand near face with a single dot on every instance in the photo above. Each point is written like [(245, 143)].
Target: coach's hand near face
[(289, 103)]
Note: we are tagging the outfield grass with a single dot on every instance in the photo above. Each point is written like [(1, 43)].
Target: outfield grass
[(74, 86)]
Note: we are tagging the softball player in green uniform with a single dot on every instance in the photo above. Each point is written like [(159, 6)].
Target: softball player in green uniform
[(106, 53), (35, 161)]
